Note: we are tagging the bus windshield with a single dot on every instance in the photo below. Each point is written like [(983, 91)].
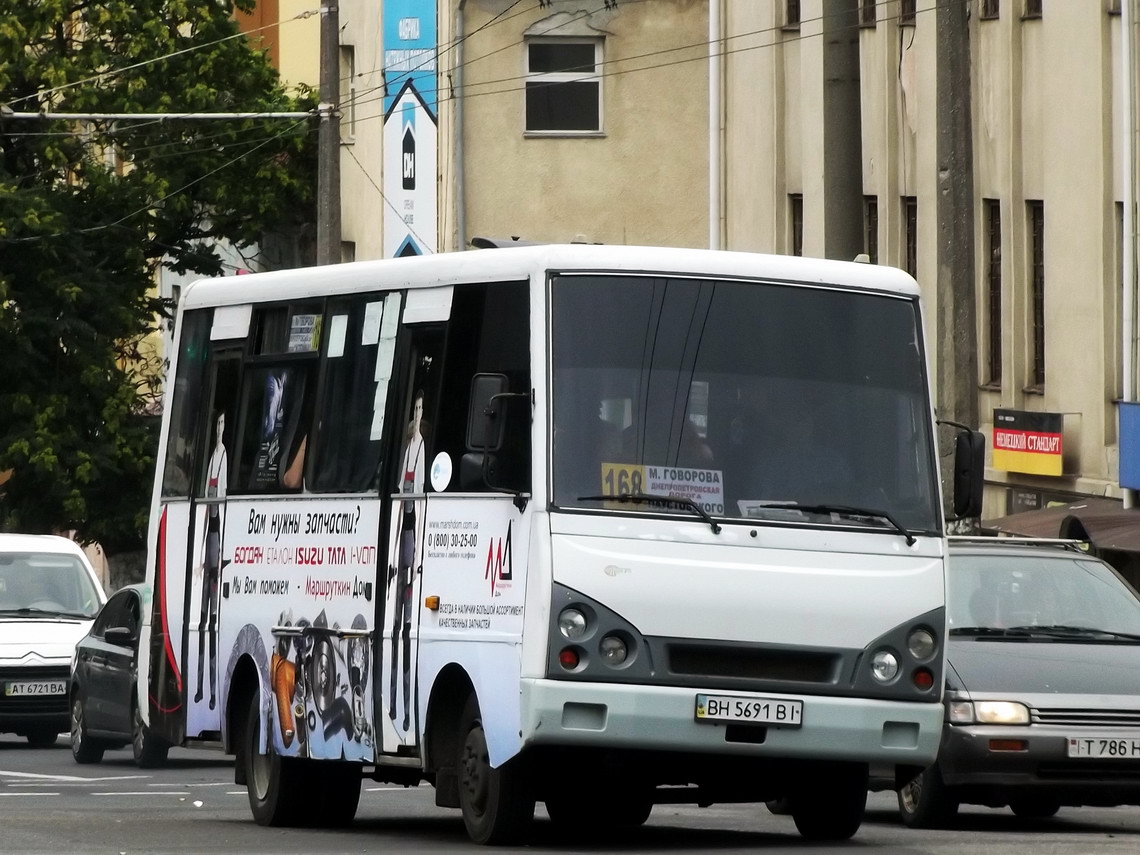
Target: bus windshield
[(751, 399)]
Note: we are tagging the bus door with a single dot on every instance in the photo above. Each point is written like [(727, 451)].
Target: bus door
[(402, 561), (207, 582)]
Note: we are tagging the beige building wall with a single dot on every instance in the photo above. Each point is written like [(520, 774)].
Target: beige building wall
[(642, 180), (299, 43), (361, 129), (1046, 120)]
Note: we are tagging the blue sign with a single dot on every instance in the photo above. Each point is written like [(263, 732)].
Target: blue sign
[(410, 42)]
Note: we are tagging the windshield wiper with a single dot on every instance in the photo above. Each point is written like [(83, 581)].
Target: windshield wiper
[(847, 510), (991, 631), (27, 610), (1058, 630), (642, 498)]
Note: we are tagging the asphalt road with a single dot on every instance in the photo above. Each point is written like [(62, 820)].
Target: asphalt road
[(49, 804)]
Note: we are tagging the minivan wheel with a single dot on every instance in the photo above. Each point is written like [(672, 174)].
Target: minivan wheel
[(84, 748)]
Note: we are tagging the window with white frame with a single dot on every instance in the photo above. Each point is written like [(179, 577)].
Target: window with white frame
[(563, 86)]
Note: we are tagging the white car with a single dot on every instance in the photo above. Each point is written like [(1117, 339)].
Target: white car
[(49, 594)]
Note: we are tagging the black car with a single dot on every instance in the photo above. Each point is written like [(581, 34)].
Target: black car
[(1042, 684), (104, 671)]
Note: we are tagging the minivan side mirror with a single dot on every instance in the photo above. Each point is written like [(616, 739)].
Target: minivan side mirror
[(120, 636)]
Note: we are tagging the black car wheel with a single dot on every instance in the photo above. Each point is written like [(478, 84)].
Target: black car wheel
[(925, 802), (830, 806), (42, 737), (1034, 807), (84, 748), (150, 751)]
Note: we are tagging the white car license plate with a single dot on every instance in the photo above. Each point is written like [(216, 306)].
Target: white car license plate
[(781, 712), (1105, 747), (40, 687)]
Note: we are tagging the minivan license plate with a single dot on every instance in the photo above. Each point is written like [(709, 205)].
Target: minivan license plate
[(781, 712), (1104, 747), (42, 687)]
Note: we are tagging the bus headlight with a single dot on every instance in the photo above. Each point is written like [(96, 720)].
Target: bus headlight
[(884, 666), (572, 624), (921, 644), (614, 651)]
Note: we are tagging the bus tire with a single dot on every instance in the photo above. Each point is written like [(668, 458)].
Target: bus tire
[(274, 784), (497, 804), (830, 805), (340, 792), (925, 802)]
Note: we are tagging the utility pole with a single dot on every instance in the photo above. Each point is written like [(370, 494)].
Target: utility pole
[(842, 131), (957, 334), (957, 352), (328, 140)]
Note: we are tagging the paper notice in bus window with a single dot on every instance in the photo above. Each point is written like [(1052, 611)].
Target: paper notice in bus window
[(703, 486), (377, 429), (338, 329), (304, 333), (373, 312), (384, 356)]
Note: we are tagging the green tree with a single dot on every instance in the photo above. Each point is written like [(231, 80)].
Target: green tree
[(88, 213)]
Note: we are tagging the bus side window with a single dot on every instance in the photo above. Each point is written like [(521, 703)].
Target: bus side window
[(358, 368), (278, 393), (182, 433), (489, 333)]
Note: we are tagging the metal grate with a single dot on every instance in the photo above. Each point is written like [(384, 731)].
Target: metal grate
[(796, 213), (871, 228), (1036, 216), (910, 220), (1086, 717), (33, 704)]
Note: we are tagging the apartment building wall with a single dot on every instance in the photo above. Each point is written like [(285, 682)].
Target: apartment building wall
[(641, 177)]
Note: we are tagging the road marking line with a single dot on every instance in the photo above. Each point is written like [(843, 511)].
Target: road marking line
[(7, 774), (13, 795), (146, 793), (383, 789), (211, 784)]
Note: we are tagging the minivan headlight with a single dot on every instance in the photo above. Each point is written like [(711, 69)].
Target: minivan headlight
[(1001, 712)]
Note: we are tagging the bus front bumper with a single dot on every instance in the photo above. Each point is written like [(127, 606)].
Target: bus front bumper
[(663, 718)]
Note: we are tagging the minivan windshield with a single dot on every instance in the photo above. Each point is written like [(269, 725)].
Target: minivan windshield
[(756, 400), (37, 583), (1068, 596)]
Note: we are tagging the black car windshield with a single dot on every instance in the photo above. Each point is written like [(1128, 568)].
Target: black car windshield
[(35, 584), (1059, 597), (748, 398)]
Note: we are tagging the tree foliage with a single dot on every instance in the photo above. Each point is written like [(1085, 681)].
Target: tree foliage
[(88, 213)]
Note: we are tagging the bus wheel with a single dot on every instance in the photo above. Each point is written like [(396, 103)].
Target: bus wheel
[(497, 804), (274, 783), (829, 806), (340, 792)]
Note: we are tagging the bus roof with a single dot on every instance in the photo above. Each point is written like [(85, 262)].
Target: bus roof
[(515, 263)]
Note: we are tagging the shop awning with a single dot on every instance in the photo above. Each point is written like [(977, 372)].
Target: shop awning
[(1104, 523)]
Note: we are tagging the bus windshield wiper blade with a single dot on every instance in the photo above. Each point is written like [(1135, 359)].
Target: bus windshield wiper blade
[(27, 610), (847, 510), (642, 498), (1067, 631)]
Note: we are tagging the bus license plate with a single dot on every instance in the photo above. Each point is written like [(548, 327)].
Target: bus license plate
[(49, 687), (781, 712), (1108, 748)]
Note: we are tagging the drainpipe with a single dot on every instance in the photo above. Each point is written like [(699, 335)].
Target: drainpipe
[(715, 117), (1127, 153), (460, 199)]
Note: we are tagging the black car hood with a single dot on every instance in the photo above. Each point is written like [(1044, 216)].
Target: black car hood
[(1045, 666)]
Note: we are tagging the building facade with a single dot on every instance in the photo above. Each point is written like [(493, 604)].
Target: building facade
[(792, 126)]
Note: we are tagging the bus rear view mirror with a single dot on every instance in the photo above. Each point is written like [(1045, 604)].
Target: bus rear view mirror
[(485, 420), (969, 472)]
